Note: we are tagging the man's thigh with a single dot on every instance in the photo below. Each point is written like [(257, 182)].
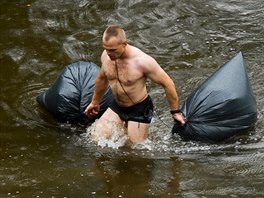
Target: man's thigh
[(105, 125), (111, 116), (137, 131)]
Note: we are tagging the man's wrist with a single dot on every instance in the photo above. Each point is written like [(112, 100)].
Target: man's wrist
[(95, 103)]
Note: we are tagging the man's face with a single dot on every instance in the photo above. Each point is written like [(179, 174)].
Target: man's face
[(114, 49)]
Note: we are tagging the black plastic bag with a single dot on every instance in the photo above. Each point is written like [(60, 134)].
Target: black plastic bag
[(222, 106), (71, 93)]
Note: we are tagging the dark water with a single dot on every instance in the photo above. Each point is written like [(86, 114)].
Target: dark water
[(190, 39)]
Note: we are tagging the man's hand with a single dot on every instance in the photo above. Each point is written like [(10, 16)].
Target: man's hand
[(92, 110), (179, 117)]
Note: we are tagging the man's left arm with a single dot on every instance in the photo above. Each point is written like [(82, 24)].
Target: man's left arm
[(159, 76)]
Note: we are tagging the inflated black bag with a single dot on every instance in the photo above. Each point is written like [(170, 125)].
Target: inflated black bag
[(72, 91), (222, 106)]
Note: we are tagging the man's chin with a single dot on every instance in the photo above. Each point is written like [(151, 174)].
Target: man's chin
[(112, 58)]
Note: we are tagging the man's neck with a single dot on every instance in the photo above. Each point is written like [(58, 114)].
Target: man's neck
[(125, 54)]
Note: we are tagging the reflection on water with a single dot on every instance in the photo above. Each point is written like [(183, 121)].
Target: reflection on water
[(43, 158)]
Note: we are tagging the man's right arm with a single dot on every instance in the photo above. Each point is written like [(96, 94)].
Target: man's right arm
[(101, 84)]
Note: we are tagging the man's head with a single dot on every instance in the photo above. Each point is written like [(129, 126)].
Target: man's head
[(114, 41)]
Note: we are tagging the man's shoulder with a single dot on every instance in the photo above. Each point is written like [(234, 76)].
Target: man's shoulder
[(104, 55), (137, 51), (105, 58), (141, 56)]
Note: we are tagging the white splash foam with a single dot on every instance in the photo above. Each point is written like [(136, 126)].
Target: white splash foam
[(118, 137), (143, 145)]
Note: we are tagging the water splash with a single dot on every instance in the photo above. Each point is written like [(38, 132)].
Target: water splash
[(117, 139)]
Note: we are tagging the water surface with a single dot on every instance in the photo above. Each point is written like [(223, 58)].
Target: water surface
[(43, 158)]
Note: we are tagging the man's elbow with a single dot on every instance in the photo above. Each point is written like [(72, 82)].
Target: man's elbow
[(169, 84)]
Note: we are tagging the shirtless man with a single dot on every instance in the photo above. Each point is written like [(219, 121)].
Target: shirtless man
[(126, 68)]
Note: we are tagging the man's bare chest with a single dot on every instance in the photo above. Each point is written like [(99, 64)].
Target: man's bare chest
[(125, 73)]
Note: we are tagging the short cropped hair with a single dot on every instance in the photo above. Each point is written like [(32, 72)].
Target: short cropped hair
[(114, 31)]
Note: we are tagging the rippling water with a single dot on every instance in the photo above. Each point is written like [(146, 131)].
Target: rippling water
[(43, 158)]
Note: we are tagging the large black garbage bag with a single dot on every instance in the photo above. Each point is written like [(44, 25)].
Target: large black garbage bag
[(72, 91), (222, 106)]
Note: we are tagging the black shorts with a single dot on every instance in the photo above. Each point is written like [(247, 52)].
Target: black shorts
[(141, 112)]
